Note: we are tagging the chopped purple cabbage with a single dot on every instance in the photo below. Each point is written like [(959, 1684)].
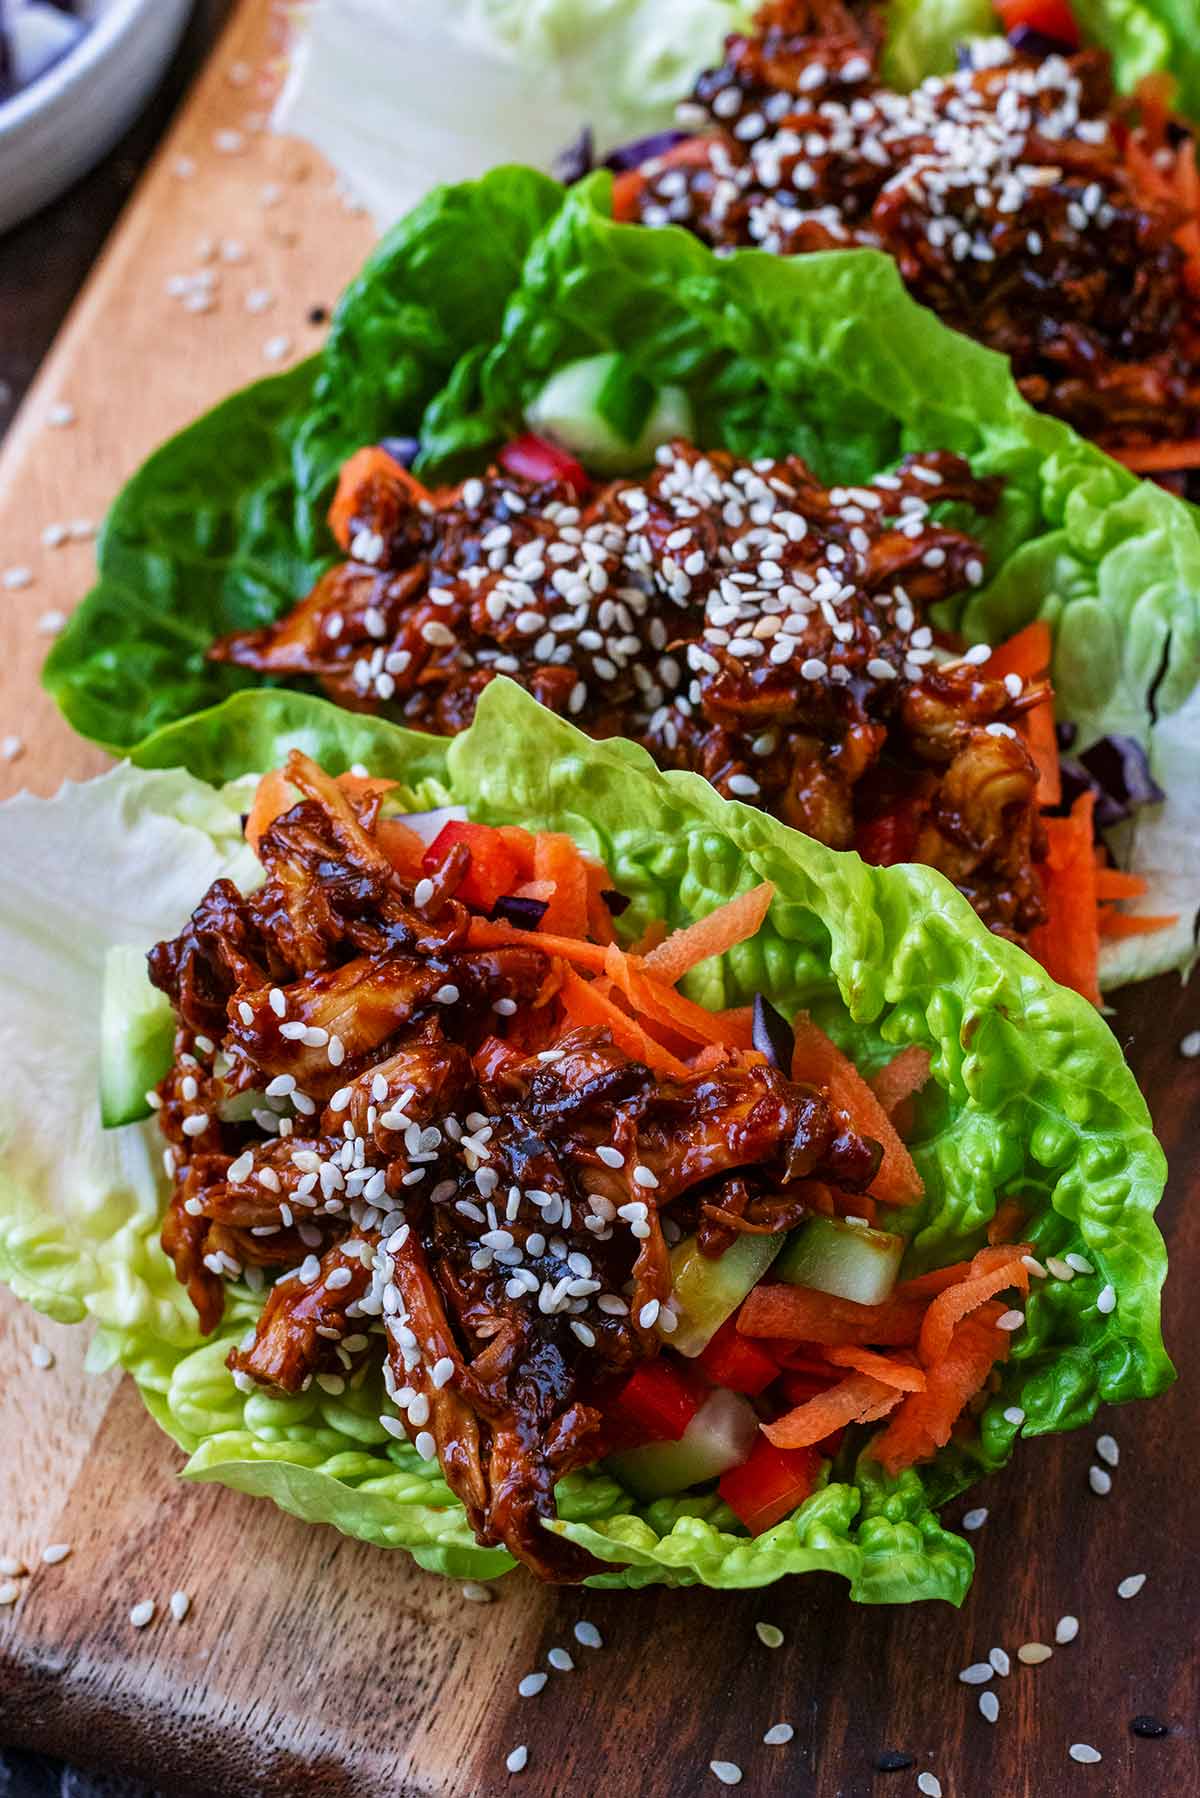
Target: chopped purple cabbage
[(1116, 771), (577, 160), (1031, 42), (772, 1035), (523, 914), (404, 450), (643, 149), (616, 902)]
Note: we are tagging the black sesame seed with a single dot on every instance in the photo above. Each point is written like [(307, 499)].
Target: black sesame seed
[(318, 315), (892, 1761), (1150, 1727)]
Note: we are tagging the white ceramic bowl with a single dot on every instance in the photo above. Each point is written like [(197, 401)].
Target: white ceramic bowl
[(67, 119)]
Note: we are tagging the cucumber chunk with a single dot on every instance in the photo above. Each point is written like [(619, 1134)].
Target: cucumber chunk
[(607, 414), (851, 1261), (137, 1029), (720, 1436), (704, 1291)]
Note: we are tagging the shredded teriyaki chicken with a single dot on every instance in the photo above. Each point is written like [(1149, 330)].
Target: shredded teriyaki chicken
[(1004, 192), (353, 1125), (740, 619)]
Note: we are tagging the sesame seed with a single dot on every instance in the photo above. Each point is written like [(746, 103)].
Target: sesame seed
[(14, 578), (1131, 1585), (275, 349), (642, 1176), (977, 1674), (989, 1706), (179, 1605), (425, 1446), (1032, 1654), (1066, 1630), (142, 1613), (778, 1735), (930, 1784), (1189, 1045), (648, 1315), (1059, 1268), (1080, 1263), (475, 1593), (11, 747), (769, 1634), (560, 1660), (587, 1635), (1013, 1414), (1085, 1754), (41, 1356), (531, 1685), (9, 1592), (975, 1520), (1106, 1300), (1099, 1481), (518, 1759), (1107, 1449), (1010, 1321), (10, 1565), (1000, 1662), (728, 1772)]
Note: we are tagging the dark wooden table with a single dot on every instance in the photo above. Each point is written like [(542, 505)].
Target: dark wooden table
[(43, 264), (683, 1678)]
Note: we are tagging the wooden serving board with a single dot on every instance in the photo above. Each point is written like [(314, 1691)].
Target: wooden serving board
[(314, 1667)]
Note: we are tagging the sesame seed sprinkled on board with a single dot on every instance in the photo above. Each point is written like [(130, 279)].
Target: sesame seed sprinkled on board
[(587, 1635), (54, 1552), (1000, 1661), (179, 1605), (1032, 1654), (1099, 1481), (60, 415), (142, 1613), (778, 1735), (930, 1784), (1149, 1728), (531, 1684), (728, 1772), (476, 1593), (13, 579), (9, 1592), (1131, 1585), (769, 1634), (11, 1566), (1066, 1630), (989, 1706), (977, 1674), (975, 1520), (1085, 1754), (518, 1759), (1108, 1450), (1189, 1045), (561, 1660)]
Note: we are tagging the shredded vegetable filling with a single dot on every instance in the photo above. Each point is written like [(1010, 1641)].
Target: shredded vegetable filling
[(740, 619)]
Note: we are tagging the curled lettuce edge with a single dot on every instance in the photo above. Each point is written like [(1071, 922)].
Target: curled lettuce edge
[(1030, 1094)]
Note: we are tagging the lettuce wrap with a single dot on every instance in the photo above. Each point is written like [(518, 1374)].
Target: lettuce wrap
[(450, 332), (1030, 1096)]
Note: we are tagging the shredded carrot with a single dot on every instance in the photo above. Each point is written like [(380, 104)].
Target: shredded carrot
[(802, 1314), (821, 1063), (599, 918), (585, 1006), (888, 1368), (731, 923), (363, 786), (1068, 943), (1026, 654), (558, 861), (1159, 458), (542, 890), (1036, 730), (654, 935), (488, 933), (1008, 1223), (273, 796), (628, 187), (859, 1399), (927, 1286), (906, 1074), (992, 1271), (925, 1420), (402, 846), (661, 1004), (363, 466), (1111, 883), (1116, 925), (713, 1055)]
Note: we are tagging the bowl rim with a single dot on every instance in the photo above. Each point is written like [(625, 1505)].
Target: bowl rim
[(104, 36)]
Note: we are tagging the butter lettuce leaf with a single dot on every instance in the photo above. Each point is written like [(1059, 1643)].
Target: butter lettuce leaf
[(1030, 1095)]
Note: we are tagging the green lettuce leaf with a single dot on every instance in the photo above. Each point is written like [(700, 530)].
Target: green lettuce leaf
[(1030, 1096)]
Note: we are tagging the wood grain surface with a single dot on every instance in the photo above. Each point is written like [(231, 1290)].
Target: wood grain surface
[(314, 1667)]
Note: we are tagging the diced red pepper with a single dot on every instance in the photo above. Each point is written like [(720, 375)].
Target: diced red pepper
[(493, 869), (738, 1362), (768, 1487), (1049, 18), (537, 459), (657, 1400)]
